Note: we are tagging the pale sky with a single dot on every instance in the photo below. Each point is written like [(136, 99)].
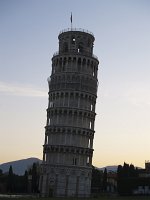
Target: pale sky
[(28, 38)]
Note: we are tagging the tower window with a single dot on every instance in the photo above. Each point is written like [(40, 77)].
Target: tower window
[(74, 161), (49, 121), (90, 125), (51, 104), (91, 107), (73, 40), (88, 160), (80, 48)]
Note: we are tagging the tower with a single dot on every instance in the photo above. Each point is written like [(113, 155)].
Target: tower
[(69, 132)]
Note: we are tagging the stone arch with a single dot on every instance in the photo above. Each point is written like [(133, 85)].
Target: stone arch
[(80, 47), (84, 62)]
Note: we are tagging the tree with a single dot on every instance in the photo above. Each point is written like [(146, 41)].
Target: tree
[(126, 170), (25, 177), (35, 177), (127, 178), (1, 172), (96, 182), (105, 180), (10, 182), (119, 171)]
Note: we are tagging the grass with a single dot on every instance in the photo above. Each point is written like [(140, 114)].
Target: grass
[(98, 198)]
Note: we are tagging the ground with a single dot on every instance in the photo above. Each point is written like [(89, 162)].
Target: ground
[(98, 198)]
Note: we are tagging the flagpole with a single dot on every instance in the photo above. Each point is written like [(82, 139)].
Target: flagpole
[(71, 21)]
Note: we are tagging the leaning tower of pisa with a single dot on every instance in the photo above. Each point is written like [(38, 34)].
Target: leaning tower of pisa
[(69, 132)]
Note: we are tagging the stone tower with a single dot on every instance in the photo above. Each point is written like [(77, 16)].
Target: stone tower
[(69, 132)]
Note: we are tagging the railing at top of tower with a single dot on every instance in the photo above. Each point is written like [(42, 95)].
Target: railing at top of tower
[(76, 29), (83, 53)]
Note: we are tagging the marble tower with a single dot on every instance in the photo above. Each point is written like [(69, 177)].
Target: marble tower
[(69, 132)]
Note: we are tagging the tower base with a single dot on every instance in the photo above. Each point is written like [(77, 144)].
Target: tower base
[(62, 181)]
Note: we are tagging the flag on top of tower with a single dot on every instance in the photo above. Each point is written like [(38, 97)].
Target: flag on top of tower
[(71, 17)]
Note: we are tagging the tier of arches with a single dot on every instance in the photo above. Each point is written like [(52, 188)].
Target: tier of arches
[(76, 41), (67, 157), (69, 139), (70, 117), (67, 149), (69, 130), (70, 111), (72, 100), (75, 63), (73, 87), (66, 170), (70, 81), (72, 77)]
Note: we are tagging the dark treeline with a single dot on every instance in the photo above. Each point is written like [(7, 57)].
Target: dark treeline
[(12, 183), (127, 179), (28, 183), (99, 181)]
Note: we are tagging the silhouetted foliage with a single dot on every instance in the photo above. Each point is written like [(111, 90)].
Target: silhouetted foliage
[(127, 179), (104, 184), (10, 181), (35, 177), (96, 182), (3, 182), (26, 181)]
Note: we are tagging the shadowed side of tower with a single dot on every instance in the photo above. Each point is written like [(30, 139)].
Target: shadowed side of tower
[(69, 132)]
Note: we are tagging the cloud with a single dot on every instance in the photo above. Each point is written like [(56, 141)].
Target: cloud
[(134, 93), (21, 90), (139, 98), (138, 94)]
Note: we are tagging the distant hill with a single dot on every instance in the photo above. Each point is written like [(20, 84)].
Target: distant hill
[(19, 166), (112, 168)]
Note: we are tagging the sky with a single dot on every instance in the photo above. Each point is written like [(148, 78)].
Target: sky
[(29, 32)]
